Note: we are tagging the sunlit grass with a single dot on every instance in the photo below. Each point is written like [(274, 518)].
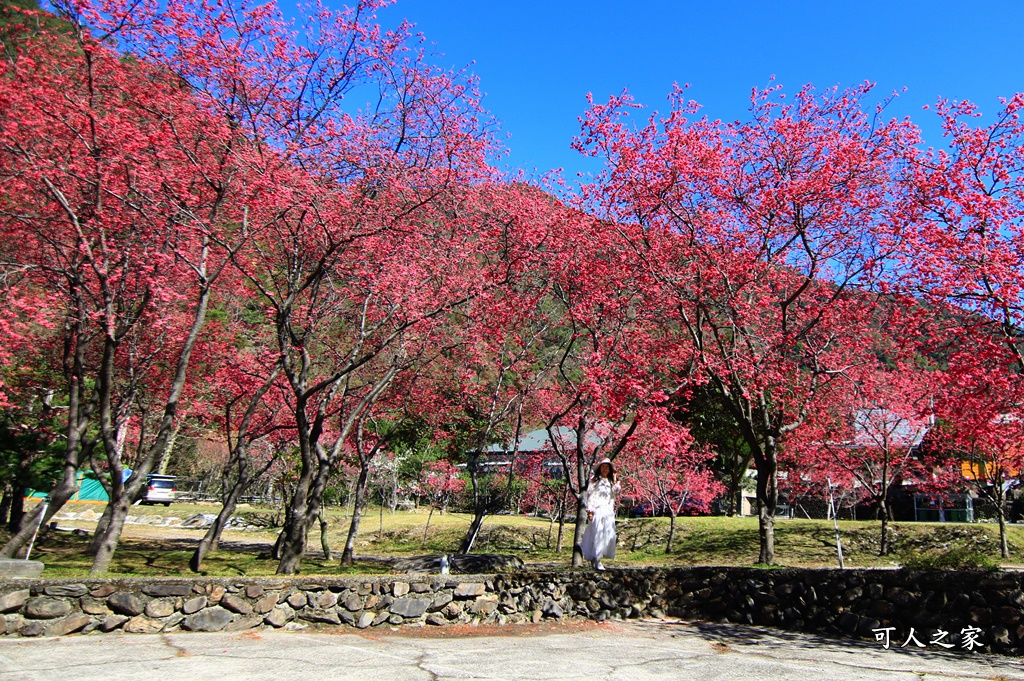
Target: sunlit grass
[(147, 550)]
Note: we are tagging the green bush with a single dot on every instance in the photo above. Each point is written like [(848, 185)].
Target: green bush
[(953, 559)]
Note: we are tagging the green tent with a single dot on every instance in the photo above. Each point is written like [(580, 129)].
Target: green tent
[(89, 489)]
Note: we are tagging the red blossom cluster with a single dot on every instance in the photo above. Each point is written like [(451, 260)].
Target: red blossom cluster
[(204, 232)]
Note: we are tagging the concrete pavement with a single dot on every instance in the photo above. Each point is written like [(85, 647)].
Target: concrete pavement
[(626, 651)]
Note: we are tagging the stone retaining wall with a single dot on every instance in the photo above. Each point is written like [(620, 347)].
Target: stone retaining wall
[(839, 602)]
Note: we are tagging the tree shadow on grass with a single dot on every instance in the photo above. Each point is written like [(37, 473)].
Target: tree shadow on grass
[(737, 547)]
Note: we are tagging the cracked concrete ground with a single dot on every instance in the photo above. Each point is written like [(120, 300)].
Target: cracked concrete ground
[(634, 651)]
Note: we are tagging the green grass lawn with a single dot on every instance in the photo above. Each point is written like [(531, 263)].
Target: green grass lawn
[(157, 551)]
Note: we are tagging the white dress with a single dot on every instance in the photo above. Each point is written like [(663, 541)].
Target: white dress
[(599, 537)]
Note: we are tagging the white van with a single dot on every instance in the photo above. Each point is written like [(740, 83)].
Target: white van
[(160, 489)]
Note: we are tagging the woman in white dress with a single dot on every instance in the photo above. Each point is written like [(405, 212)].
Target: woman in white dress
[(599, 500)]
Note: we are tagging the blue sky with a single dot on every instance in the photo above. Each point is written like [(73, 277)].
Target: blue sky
[(537, 60)]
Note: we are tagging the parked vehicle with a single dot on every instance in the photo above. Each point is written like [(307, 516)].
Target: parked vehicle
[(160, 489)]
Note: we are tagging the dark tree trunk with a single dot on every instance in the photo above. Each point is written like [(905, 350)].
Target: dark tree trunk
[(109, 539), (560, 544), (883, 544), (5, 504), (427, 528), (1004, 544), (58, 497), (767, 501), (479, 509), (211, 540), (101, 530), (671, 531), (232, 491), (582, 475), (305, 508), (123, 494), (348, 555), (324, 527), (579, 527), (77, 444), (16, 513), (293, 546), (474, 531), (295, 533)]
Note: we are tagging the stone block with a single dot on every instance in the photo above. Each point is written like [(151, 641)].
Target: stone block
[(279, 616), (143, 625), (266, 604), (436, 619), (162, 589), (173, 622), (485, 605), (93, 606), (211, 619), (849, 622), (1000, 635), (381, 618), (245, 623), (102, 591), (297, 600), (216, 593), (125, 603), (328, 599), (365, 619), (553, 609), (318, 615), (1007, 615), (440, 600), (399, 589), (236, 604), (410, 607), (470, 590), (67, 590), (981, 617), (46, 608), (14, 600), (253, 590), (352, 602), (34, 628), (67, 625), (113, 622), (194, 605), (160, 607)]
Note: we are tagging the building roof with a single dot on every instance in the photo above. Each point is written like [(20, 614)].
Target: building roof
[(872, 425), (539, 441)]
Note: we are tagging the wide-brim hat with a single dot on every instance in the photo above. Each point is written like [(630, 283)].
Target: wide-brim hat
[(605, 460)]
